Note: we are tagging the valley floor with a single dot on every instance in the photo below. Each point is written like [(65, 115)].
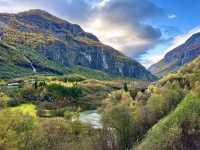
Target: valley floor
[(79, 113)]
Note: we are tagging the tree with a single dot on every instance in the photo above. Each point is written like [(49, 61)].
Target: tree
[(12, 126), (118, 117), (125, 87)]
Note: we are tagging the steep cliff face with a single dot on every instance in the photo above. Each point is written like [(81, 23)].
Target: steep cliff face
[(67, 44), (178, 57)]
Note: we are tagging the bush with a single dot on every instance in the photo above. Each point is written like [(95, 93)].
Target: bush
[(74, 78), (68, 115), (58, 90), (125, 87), (71, 116), (12, 102), (12, 126), (164, 100), (58, 112), (3, 100), (29, 93)]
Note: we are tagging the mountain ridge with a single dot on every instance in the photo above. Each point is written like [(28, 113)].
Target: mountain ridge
[(67, 44), (178, 56)]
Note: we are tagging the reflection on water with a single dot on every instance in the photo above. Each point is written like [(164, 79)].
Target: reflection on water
[(91, 117)]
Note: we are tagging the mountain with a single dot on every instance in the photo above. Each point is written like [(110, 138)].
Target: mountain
[(178, 129), (178, 56), (64, 44)]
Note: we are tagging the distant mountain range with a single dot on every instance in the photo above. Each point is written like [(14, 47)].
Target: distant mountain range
[(36, 41), (179, 56)]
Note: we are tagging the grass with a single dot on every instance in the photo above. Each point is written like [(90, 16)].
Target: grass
[(11, 71), (91, 73), (65, 84)]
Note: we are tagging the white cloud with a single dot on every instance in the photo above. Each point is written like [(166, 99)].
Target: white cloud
[(118, 23), (172, 16), (102, 3), (120, 37)]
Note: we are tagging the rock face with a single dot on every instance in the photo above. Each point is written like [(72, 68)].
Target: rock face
[(179, 56), (68, 44)]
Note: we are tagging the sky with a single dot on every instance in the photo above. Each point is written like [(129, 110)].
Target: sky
[(144, 30)]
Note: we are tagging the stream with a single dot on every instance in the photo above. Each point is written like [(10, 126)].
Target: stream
[(91, 117)]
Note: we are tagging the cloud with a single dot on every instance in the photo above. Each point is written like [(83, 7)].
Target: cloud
[(123, 10), (172, 16), (12, 6), (132, 40), (119, 23)]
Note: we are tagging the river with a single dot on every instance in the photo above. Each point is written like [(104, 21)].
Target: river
[(91, 117)]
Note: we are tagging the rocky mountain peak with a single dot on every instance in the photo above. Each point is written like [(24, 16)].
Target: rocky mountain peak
[(194, 39), (177, 57), (41, 14)]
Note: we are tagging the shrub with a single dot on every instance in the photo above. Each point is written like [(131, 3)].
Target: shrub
[(125, 87), (29, 93), (42, 84), (68, 115), (71, 116), (3, 100), (74, 78), (12, 126), (58, 112), (12, 102), (58, 90), (163, 101)]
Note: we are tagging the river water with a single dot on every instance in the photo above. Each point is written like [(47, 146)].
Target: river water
[(91, 117)]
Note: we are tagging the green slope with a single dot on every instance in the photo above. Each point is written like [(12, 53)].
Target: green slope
[(19, 61), (179, 130)]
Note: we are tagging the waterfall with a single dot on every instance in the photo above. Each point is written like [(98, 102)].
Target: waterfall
[(105, 64), (32, 66)]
